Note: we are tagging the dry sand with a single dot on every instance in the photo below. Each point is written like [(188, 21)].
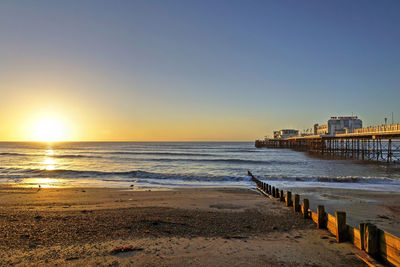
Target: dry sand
[(201, 227)]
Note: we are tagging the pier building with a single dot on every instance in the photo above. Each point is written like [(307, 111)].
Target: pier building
[(320, 129), (285, 133), (338, 125)]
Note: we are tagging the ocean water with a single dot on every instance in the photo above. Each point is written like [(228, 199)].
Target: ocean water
[(169, 164)]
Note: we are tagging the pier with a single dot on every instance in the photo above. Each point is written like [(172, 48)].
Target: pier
[(378, 143)]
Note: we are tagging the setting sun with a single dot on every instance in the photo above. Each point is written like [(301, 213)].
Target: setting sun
[(49, 130)]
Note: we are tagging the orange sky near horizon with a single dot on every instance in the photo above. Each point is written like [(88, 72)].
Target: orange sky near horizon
[(76, 127), (87, 110), (87, 118)]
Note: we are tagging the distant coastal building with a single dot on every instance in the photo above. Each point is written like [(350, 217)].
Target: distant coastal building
[(320, 129), (335, 125), (338, 125), (285, 133)]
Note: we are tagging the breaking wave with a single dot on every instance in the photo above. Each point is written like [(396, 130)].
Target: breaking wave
[(120, 176), (139, 175)]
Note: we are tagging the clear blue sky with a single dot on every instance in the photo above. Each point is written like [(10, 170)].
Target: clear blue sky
[(232, 70)]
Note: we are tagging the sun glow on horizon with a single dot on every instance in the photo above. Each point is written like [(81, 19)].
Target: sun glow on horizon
[(49, 130)]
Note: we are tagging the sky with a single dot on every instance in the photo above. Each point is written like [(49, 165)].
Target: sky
[(194, 70)]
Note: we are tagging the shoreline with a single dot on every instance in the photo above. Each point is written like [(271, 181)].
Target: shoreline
[(217, 226), (177, 183), (381, 208)]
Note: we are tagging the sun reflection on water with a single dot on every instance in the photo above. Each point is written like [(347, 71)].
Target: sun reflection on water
[(42, 182), (49, 152), (49, 164)]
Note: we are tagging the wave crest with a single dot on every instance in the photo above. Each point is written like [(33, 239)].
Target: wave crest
[(141, 175)]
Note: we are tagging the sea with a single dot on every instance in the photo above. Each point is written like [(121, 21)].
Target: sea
[(182, 164)]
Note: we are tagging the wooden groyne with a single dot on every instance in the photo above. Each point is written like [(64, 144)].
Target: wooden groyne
[(381, 143), (378, 244)]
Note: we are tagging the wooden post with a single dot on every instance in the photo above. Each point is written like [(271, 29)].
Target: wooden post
[(282, 196), (277, 192), (288, 200), (296, 203), (321, 217), (269, 189), (305, 207), (273, 191), (362, 233), (371, 239), (341, 226)]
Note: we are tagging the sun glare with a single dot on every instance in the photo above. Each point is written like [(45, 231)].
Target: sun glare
[(49, 130)]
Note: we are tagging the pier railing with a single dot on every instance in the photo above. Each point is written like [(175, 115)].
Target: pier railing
[(379, 129), (377, 243)]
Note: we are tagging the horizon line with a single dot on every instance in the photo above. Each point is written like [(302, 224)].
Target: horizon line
[(126, 141)]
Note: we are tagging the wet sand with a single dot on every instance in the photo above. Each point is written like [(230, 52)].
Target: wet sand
[(194, 227), (381, 208)]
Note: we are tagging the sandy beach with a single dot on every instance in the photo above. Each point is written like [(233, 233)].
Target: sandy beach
[(195, 227)]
